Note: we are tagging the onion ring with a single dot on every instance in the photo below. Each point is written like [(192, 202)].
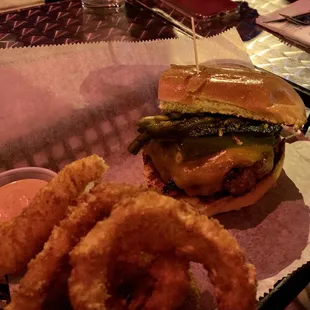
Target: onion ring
[(44, 280), (159, 226), (156, 279), (23, 237)]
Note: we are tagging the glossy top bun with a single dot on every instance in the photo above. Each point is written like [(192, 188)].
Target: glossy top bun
[(228, 90)]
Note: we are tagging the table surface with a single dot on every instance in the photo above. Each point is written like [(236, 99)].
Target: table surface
[(268, 52), (275, 54), (66, 22)]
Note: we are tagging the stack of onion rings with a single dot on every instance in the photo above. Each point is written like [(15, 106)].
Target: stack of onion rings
[(46, 278), (143, 233), (117, 246)]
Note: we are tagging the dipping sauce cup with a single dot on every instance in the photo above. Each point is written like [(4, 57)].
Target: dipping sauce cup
[(18, 187)]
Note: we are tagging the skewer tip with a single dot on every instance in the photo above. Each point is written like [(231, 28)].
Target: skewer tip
[(195, 45)]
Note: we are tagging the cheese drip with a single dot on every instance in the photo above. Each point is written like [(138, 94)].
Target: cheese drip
[(204, 176)]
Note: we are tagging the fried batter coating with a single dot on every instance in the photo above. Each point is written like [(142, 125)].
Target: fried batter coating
[(165, 279), (47, 269), (172, 283), (159, 226), (24, 236)]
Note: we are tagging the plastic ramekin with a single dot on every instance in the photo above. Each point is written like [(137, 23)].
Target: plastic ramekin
[(26, 173)]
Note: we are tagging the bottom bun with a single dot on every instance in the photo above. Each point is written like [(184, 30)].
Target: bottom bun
[(223, 204)]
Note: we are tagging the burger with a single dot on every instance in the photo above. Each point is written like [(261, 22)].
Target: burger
[(216, 143)]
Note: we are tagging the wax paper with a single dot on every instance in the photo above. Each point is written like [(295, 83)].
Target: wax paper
[(65, 102)]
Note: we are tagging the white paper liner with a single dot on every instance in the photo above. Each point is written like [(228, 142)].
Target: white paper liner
[(297, 168), (53, 76)]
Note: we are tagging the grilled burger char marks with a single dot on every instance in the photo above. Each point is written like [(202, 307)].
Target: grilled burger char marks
[(216, 143)]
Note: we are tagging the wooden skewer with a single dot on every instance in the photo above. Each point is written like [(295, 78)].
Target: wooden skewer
[(195, 45)]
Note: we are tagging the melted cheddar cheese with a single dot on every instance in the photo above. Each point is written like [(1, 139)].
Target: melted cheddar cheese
[(204, 176)]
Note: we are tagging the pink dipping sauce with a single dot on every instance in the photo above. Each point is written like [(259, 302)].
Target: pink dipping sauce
[(15, 196)]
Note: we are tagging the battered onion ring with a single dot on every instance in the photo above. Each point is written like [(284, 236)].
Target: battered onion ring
[(24, 236), (44, 280), (159, 226), (172, 280), (157, 277)]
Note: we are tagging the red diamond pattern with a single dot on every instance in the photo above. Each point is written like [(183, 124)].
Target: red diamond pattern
[(40, 19), (6, 36), (71, 21), (27, 31), (52, 8), (34, 40), (32, 12), (18, 24), (49, 26), (67, 22), (62, 15), (9, 44), (60, 33), (10, 16), (73, 5)]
